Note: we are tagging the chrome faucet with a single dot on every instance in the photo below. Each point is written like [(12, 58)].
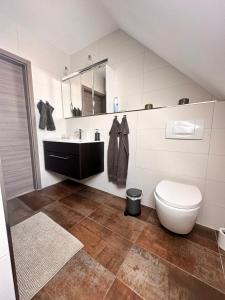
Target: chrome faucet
[(78, 133)]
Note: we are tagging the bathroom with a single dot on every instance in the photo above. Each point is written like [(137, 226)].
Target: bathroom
[(148, 56)]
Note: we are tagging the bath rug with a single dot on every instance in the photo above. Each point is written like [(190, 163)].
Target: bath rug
[(41, 248)]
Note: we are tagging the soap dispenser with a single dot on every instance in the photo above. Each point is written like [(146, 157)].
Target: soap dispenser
[(97, 135)]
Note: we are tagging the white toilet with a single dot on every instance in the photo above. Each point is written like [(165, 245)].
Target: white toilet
[(177, 205)]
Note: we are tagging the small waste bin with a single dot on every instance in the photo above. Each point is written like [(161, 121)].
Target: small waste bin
[(133, 205)]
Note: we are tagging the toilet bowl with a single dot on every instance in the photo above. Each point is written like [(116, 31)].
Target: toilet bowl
[(177, 205)]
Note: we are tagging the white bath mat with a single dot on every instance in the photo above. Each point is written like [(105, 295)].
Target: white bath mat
[(41, 248)]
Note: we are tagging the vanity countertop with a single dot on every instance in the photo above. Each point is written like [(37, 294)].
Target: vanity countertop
[(73, 141)]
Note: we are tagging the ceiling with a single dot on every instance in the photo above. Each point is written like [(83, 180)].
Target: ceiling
[(70, 25), (190, 34)]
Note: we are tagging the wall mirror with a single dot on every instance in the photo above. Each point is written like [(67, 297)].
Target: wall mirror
[(84, 93), (101, 89)]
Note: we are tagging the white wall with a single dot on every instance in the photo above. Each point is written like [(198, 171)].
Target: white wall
[(6, 279), (140, 76), (152, 157), (47, 68)]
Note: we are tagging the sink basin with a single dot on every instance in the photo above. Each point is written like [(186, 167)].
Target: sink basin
[(75, 141)]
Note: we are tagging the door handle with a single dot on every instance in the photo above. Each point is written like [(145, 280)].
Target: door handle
[(59, 157)]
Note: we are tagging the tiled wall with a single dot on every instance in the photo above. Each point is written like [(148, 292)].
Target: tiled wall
[(141, 75), (214, 200), (153, 158), (47, 68)]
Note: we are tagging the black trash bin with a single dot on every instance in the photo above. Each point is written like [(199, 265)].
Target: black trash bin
[(133, 205)]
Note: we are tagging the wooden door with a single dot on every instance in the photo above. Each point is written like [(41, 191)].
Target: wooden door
[(100, 103), (87, 101), (15, 148)]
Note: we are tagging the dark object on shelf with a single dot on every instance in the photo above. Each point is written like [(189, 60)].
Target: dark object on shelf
[(74, 111), (183, 101), (133, 202), (74, 160), (148, 106), (97, 135), (78, 112)]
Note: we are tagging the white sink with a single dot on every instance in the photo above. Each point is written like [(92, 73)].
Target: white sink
[(75, 141)]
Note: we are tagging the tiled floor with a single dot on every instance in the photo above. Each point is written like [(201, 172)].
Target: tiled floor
[(123, 257)]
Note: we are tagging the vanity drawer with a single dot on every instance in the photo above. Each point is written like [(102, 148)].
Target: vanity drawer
[(60, 147), (77, 161), (62, 163)]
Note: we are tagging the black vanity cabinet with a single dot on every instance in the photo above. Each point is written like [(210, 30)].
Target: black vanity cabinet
[(75, 160)]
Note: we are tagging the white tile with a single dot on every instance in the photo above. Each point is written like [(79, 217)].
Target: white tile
[(157, 118), (128, 84), (212, 216), (219, 113), (130, 67), (120, 52), (215, 193), (170, 96), (153, 61), (216, 167), (163, 78), (131, 101), (146, 181), (217, 144), (154, 139), (186, 164)]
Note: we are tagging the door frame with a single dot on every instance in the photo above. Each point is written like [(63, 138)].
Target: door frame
[(29, 99)]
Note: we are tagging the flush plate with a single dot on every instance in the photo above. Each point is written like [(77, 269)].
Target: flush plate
[(185, 129)]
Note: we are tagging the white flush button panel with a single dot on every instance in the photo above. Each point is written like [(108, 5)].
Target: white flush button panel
[(185, 130)]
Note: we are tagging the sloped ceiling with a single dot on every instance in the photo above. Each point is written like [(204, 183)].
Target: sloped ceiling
[(70, 25), (190, 34)]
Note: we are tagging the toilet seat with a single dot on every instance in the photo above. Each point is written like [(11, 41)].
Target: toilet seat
[(178, 195)]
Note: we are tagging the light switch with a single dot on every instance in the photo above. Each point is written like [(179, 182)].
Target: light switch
[(185, 129)]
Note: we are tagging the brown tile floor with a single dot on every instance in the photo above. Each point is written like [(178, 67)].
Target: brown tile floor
[(123, 257)]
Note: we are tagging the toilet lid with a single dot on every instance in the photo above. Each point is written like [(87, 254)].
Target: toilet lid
[(178, 195)]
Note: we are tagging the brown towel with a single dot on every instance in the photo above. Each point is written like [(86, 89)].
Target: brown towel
[(113, 151), (123, 157)]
